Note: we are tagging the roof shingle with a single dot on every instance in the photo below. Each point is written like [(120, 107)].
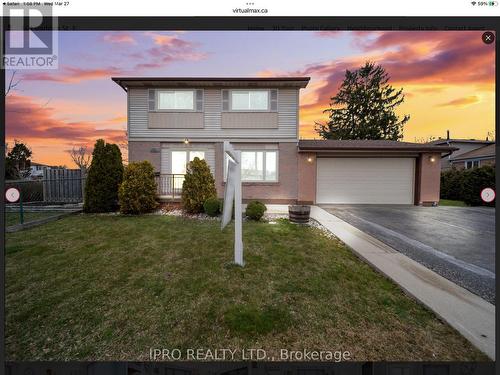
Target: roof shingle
[(481, 152), (371, 145)]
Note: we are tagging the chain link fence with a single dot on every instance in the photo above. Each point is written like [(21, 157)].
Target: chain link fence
[(56, 194)]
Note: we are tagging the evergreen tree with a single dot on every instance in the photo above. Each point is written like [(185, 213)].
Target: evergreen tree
[(137, 193), (103, 178), (198, 186), (18, 161), (364, 107)]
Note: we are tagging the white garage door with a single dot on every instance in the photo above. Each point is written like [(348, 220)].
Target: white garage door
[(365, 180)]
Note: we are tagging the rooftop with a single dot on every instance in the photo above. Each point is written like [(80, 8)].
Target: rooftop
[(126, 82), (443, 141), (370, 145), (33, 163), (481, 152)]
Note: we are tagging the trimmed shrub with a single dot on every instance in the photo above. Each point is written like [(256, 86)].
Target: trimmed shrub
[(221, 207), (198, 186), (451, 184), (466, 184), (103, 178), (255, 210), (137, 193), (473, 181), (211, 206)]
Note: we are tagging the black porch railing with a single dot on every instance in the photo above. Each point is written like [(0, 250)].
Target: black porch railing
[(169, 185)]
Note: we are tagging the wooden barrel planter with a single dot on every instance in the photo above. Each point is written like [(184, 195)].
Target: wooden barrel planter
[(299, 214)]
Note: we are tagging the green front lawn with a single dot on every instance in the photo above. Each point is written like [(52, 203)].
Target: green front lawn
[(106, 287), (14, 218), (450, 202)]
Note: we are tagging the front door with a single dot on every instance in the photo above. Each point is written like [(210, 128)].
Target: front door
[(179, 161)]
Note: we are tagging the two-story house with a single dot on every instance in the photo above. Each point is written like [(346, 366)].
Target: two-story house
[(173, 120)]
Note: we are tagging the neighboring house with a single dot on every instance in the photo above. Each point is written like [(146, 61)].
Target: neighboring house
[(462, 146), (36, 169), (476, 158), (173, 120)]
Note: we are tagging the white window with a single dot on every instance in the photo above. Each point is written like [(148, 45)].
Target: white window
[(181, 158), (271, 166), (196, 154), (254, 100), (252, 166), (258, 166), (472, 164), (176, 100)]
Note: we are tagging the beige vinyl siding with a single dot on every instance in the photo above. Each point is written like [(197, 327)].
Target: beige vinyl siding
[(249, 120), (175, 120), (166, 148), (286, 130)]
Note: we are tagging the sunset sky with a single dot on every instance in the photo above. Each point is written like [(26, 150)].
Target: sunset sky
[(448, 78)]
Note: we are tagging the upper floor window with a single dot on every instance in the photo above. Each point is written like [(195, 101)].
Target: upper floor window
[(255, 100), (176, 100)]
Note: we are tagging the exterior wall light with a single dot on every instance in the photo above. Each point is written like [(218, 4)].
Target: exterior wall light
[(432, 159), (186, 141), (310, 159)]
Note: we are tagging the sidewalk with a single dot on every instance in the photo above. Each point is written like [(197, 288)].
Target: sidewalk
[(469, 314)]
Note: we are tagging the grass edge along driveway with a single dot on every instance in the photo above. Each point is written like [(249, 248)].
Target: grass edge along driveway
[(110, 287)]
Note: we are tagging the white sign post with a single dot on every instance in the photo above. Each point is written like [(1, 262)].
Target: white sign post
[(232, 193)]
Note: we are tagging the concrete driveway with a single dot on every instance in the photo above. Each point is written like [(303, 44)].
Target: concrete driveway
[(456, 242)]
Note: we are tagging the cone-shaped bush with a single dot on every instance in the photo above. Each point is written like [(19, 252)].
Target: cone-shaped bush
[(198, 186), (103, 178), (137, 193)]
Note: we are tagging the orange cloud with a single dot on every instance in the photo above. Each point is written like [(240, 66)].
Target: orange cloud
[(167, 49), (120, 37), (168, 40), (39, 127), (118, 120), (69, 74), (429, 90), (271, 73), (428, 62), (461, 102)]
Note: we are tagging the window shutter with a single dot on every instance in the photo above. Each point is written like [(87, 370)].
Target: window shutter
[(152, 100), (274, 100), (199, 100), (225, 100)]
